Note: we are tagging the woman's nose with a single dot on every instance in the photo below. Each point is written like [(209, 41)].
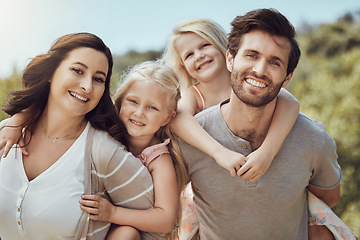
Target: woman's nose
[(86, 84)]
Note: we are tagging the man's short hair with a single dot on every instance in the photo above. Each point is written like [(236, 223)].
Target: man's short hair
[(267, 20)]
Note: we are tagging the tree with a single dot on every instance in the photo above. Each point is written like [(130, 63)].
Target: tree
[(327, 84), (7, 85)]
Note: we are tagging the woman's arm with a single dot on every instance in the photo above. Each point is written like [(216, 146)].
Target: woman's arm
[(285, 115), (161, 218)]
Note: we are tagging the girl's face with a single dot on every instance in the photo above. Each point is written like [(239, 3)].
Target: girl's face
[(79, 82), (202, 60), (144, 109)]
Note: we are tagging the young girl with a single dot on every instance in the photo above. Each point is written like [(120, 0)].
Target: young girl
[(197, 51), (146, 102)]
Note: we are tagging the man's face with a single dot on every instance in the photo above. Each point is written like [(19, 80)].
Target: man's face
[(259, 68)]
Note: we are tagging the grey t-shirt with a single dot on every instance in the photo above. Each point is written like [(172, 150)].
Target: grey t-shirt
[(275, 206)]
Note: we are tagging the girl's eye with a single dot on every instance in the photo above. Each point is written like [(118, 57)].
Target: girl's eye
[(188, 55), (251, 55), (153, 108), (206, 45), (77, 70), (132, 101)]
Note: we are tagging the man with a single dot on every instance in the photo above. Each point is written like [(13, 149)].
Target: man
[(262, 55)]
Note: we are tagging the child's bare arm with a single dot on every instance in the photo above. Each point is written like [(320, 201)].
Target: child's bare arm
[(161, 218), (12, 133), (285, 115), (187, 128)]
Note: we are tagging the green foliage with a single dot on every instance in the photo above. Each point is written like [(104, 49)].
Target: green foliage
[(329, 40), (6, 86), (327, 84), (123, 62)]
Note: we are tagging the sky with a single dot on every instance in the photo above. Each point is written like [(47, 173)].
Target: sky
[(29, 27)]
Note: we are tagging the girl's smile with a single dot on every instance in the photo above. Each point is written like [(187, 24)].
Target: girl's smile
[(144, 109)]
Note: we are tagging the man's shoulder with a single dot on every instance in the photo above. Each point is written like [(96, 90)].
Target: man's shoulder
[(207, 114), (311, 130), (309, 123)]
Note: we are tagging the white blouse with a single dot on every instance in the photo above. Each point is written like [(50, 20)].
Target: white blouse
[(46, 207)]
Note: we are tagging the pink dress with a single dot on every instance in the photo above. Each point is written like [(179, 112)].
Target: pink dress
[(319, 214), (189, 223), (152, 152)]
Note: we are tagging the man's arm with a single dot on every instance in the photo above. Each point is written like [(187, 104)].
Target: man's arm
[(329, 196)]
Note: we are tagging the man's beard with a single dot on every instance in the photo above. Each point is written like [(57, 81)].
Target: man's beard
[(251, 98)]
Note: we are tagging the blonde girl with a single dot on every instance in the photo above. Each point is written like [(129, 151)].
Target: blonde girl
[(196, 51), (146, 102)]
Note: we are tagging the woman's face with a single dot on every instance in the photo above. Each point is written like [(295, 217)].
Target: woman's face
[(79, 82)]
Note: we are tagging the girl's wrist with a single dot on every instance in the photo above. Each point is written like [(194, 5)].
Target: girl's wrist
[(268, 151)]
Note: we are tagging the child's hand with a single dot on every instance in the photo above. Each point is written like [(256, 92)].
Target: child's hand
[(230, 160), (98, 207), (10, 136), (256, 165)]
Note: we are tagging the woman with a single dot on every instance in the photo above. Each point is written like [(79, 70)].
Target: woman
[(70, 130)]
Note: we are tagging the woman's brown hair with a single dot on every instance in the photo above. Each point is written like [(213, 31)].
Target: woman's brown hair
[(35, 79)]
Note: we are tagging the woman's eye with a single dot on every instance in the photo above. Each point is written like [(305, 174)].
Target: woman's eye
[(99, 79), (77, 70)]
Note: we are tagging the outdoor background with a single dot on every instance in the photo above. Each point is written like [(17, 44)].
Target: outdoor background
[(326, 82)]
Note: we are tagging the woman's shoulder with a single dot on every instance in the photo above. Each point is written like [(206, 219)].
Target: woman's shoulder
[(103, 145)]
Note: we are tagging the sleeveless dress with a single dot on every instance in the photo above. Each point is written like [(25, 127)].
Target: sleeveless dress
[(189, 224), (319, 212), (200, 95), (152, 152), (147, 156)]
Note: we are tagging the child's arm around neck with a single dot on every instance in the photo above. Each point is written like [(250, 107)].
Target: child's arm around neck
[(285, 115), (187, 128)]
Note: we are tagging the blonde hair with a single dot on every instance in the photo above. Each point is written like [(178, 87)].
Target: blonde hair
[(205, 28), (159, 72)]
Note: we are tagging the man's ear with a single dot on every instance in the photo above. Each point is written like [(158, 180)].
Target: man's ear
[(229, 61), (287, 79)]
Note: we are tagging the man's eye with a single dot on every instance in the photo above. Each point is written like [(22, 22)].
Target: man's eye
[(275, 63)]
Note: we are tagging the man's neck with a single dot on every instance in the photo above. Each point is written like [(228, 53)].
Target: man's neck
[(249, 123)]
